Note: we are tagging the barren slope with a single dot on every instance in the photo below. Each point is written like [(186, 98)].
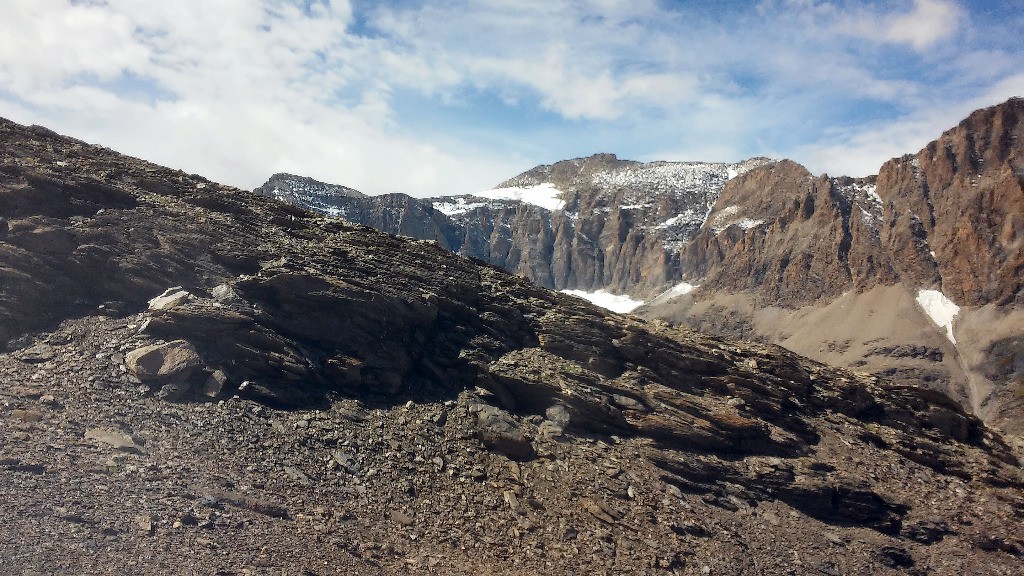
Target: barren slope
[(326, 398)]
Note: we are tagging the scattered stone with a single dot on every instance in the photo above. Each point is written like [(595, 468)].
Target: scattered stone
[(402, 518), (144, 523), (27, 416), (500, 432), (600, 510), (214, 384)]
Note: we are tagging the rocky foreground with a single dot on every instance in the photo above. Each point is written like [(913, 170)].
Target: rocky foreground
[(196, 379)]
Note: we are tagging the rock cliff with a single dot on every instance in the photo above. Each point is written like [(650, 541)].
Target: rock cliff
[(198, 378)]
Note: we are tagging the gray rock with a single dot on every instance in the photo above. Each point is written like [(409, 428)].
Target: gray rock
[(169, 299), (117, 440), (500, 432), (163, 363)]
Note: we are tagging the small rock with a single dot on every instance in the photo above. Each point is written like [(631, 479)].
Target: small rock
[(116, 440), (173, 361), (214, 384), (500, 432), (144, 523), (27, 416), (402, 518), (441, 418), (169, 299)]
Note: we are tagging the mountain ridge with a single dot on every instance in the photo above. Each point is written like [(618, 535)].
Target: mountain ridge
[(946, 219), (198, 377)]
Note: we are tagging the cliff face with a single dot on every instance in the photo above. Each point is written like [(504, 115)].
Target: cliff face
[(588, 223), (791, 238), (943, 226), (955, 210), (949, 217), (195, 377)]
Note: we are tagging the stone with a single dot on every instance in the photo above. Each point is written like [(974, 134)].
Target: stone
[(169, 299), (36, 354), (144, 523), (402, 518), (500, 432), (116, 440), (27, 416), (173, 361), (214, 384)]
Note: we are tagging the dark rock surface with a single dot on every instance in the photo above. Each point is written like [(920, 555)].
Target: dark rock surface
[(366, 403)]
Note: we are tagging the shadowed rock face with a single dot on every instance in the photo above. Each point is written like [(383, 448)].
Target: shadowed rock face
[(289, 310)]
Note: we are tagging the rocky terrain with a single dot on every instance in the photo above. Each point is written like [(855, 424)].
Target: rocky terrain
[(855, 272), (198, 379)]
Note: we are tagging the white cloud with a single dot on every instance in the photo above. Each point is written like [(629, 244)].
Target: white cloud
[(863, 150), (923, 25), (239, 89)]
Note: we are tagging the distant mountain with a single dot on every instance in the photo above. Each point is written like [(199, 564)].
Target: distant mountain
[(916, 274), (308, 193), (587, 224)]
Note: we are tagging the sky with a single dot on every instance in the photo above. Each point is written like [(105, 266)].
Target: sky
[(454, 96)]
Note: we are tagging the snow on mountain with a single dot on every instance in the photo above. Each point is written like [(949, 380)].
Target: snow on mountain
[(329, 199), (940, 309), (730, 216), (545, 195), (674, 292), (615, 302), (456, 205)]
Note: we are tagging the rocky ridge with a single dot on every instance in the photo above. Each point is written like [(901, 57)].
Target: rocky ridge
[(766, 245), (198, 378)]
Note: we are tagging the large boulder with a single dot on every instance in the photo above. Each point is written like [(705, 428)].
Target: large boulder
[(169, 363)]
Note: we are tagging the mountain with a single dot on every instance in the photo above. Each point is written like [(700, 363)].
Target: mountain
[(913, 274), (587, 224), (308, 193), (197, 378)]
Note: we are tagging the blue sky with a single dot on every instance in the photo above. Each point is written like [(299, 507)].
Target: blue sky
[(452, 97)]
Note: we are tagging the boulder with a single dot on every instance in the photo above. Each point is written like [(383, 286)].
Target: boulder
[(168, 363), (500, 432)]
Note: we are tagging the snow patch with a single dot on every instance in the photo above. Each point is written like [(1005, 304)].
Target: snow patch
[(870, 190), (727, 217), (615, 302), (674, 292), (459, 206), (940, 309), (544, 195)]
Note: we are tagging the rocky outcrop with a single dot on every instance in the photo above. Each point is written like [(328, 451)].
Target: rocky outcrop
[(403, 406), (954, 212)]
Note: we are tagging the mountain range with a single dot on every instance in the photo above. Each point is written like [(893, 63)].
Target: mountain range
[(915, 273), (199, 379)]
